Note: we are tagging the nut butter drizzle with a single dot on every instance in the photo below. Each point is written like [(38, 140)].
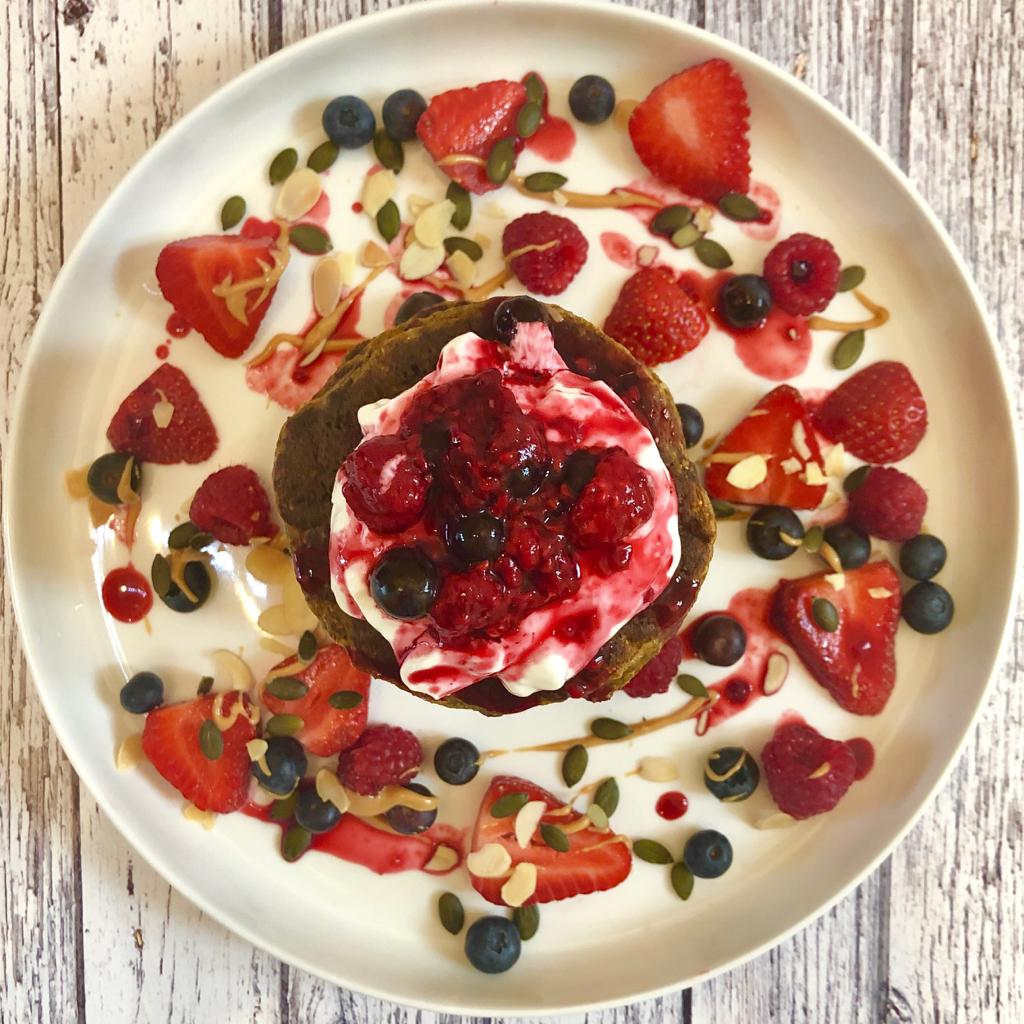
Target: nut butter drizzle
[(879, 316), (235, 294), (616, 199)]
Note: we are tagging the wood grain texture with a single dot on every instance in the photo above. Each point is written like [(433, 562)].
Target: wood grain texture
[(89, 933)]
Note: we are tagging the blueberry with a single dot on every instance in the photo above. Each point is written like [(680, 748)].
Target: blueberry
[(408, 821), (402, 111), (927, 607), (923, 557), (477, 537), (765, 529), (510, 313), (198, 580), (720, 640), (349, 122), (416, 304), (143, 692), (852, 546), (313, 814), (731, 774), (526, 479), (456, 761), (286, 759), (708, 854), (744, 301), (693, 423), (493, 944), (404, 582), (592, 99), (577, 470), (105, 474)]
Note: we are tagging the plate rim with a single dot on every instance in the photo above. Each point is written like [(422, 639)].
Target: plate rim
[(571, 8)]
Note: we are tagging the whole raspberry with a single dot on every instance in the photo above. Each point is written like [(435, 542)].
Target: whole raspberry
[(803, 274), (384, 755), (386, 483), (613, 504), (469, 601), (546, 271), (232, 505), (889, 505), (546, 558), (807, 773), (657, 675)]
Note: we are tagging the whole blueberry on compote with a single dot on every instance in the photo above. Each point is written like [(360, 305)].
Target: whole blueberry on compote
[(768, 528), (493, 944), (402, 111), (592, 99), (457, 761), (922, 557), (693, 423), (744, 301), (526, 478), (477, 537), (408, 821), (720, 640), (510, 313), (708, 854), (852, 546), (577, 470), (404, 582), (313, 814), (349, 122), (731, 774)]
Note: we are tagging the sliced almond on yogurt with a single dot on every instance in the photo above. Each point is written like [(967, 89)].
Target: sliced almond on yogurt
[(129, 753), (748, 473), (835, 463), (462, 268), (657, 769), (775, 673), (417, 204), (418, 261), (330, 789), (800, 440), (268, 565), (490, 861), (813, 475), (527, 821), (299, 193), (231, 669), (378, 188), (205, 818), (432, 224), (443, 860), (522, 884), (373, 255)]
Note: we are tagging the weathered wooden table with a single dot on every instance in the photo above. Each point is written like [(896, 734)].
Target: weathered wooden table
[(90, 934)]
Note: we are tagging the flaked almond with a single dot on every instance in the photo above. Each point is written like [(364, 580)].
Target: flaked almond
[(775, 673), (256, 749), (646, 255), (330, 789), (443, 860), (854, 682), (417, 204), (378, 188), (879, 592), (268, 643), (820, 771), (728, 458), (836, 580), (495, 210), (432, 224), (273, 620), (205, 818), (748, 473), (559, 198), (800, 440), (268, 565), (831, 557), (373, 255), (790, 466), (703, 218), (327, 284), (129, 753), (297, 613), (756, 412), (418, 261), (522, 884), (835, 461), (776, 820), (830, 499), (527, 821), (229, 669), (813, 475), (490, 861), (163, 413), (657, 769), (299, 194), (462, 268), (483, 241)]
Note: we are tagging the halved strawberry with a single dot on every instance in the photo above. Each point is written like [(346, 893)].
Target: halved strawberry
[(170, 740), (189, 270), (468, 122), (856, 662), (143, 429), (325, 730), (596, 860), (778, 429), (691, 131)]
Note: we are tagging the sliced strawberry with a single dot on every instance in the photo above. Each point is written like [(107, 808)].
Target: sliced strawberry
[(596, 860), (170, 740), (189, 434), (325, 730), (691, 131), (856, 662), (189, 270), (779, 429), (468, 122)]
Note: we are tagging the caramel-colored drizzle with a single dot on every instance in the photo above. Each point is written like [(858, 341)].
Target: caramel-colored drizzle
[(388, 797), (879, 316), (616, 199), (236, 293)]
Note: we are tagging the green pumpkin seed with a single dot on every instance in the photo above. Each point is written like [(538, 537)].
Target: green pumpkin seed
[(284, 725), (554, 837), (322, 157), (669, 220), (501, 160), (848, 350), (282, 810), (205, 686), (737, 206), (574, 764), (463, 206), (282, 165), (597, 816), (459, 244), (287, 688), (682, 880), (527, 921), (691, 685), (722, 509), (856, 478), (610, 729), (851, 277), (528, 120), (607, 796), (509, 804), (711, 254), (813, 539), (651, 851), (201, 539), (310, 239), (536, 90), (181, 536), (389, 221), (211, 743), (389, 151), (825, 614), (342, 700), (160, 573), (232, 212), (687, 235), (307, 647), (544, 181), (295, 842), (449, 909)]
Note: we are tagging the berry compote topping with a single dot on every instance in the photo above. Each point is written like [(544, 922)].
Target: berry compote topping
[(531, 500)]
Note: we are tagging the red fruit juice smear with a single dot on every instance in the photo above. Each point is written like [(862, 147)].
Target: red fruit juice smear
[(765, 229), (127, 594), (256, 228), (357, 207), (319, 212), (619, 249), (163, 351), (555, 139), (177, 326), (671, 806), (864, 752)]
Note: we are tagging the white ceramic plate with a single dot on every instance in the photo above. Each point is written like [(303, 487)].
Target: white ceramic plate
[(95, 341)]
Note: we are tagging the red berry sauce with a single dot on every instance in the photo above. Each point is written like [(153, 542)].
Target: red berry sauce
[(672, 806), (177, 326), (555, 139), (619, 249), (863, 750), (163, 351), (127, 594)]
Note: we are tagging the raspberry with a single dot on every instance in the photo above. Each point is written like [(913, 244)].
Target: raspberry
[(546, 558), (613, 504), (889, 505), (657, 675), (468, 601), (233, 506), (384, 755), (803, 274), (386, 483), (792, 759), (549, 271)]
